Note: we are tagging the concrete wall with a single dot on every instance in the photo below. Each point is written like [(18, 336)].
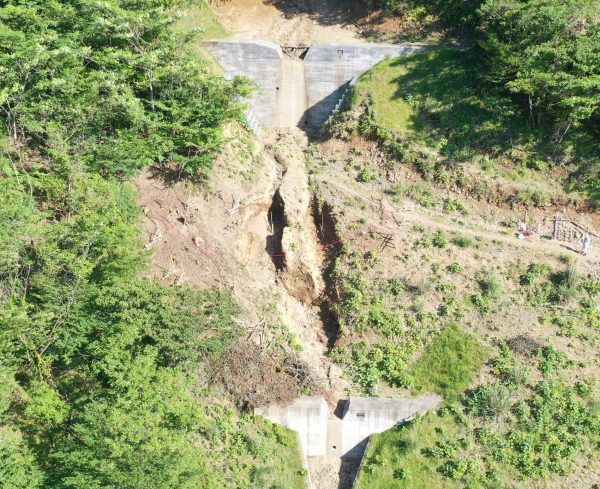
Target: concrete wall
[(258, 60), (330, 67), (320, 434), (364, 416), (296, 92), (306, 415), (292, 99)]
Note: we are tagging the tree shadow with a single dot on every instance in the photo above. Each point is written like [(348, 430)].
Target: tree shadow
[(325, 12), (277, 223), (449, 102), (314, 117), (171, 174)]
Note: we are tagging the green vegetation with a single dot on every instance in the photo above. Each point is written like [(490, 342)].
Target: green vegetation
[(201, 20), (507, 118), (388, 325), (457, 16), (396, 459), (449, 363), (525, 97), (436, 93), (422, 193), (114, 99), (199, 16), (465, 242), (530, 414), (386, 333), (104, 374), (248, 451), (496, 436)]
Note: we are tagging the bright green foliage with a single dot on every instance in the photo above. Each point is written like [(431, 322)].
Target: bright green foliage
[(111, 85), (17, 463), (146, 315), (439, 240), (388, 327), (134, 437), (400, 449), (552, 428), (435, 98), (548, 51), (501, 434), (464, 242), (528, 87), (449, 363), (98, 366), (18, 469), (265, 455), (99, 353)]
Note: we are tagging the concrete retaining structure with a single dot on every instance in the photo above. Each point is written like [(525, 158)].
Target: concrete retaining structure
[(364, 416), (259, 60), (330, 67), (321, 434), (308, 417), (295, 91)]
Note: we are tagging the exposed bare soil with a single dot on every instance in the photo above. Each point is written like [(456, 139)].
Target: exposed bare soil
[(253, 230), (300, 23), (232, 237)]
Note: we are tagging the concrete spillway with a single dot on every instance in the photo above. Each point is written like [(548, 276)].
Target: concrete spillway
[(322, 434), (295, 91), (292, 102)]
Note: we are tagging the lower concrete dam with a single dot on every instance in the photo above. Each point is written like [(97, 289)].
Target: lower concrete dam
[(298, 86)]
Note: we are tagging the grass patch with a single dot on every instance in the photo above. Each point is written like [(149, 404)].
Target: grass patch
[(201, 16), (433, 98), (449, 363), (422, 193), (396, 458), (249, 451), (465, 242), (390, 111)]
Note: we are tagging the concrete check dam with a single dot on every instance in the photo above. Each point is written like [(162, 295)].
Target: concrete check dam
[(298, 86)]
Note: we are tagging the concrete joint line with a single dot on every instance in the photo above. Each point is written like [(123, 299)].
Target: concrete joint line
[(299, 86)]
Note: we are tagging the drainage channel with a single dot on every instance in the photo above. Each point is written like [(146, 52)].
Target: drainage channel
[(277, 223), (331, 245)]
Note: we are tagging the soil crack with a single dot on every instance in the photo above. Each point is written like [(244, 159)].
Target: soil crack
[(277, 224)]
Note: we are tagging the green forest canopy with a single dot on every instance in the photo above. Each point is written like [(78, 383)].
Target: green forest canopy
[(544, 56), (96, 363)]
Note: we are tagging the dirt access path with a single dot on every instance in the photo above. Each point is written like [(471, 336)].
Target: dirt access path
[(292, 23), (409, 215)]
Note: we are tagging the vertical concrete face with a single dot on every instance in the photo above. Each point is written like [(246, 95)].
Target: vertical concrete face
[(308, 417), (347, 437), (259, 61), (294, 91), (367, 415), (329, 68)]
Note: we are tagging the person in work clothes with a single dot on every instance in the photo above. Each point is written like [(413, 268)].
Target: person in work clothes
[(586, 241)]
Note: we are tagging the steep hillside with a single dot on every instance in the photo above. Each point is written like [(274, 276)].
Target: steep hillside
[(165, 270)]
